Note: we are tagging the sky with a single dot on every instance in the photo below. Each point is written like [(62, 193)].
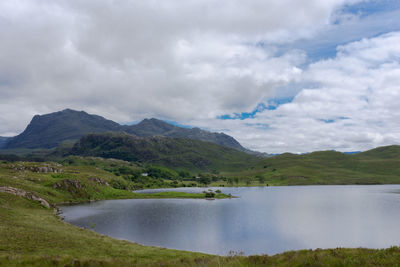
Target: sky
[(279, 76)]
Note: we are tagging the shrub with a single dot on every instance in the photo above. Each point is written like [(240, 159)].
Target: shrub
[(210, 194), (119, 184)]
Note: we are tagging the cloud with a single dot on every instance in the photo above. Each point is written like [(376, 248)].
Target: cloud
[(127, 60), (353, 106)]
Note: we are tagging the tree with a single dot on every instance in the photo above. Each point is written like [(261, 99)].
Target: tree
[(205, 179), (210, 194), (261, 179)]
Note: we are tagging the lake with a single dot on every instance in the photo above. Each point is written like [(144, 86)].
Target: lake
[(263, 220)]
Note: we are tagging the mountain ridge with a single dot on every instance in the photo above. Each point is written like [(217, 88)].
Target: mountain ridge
[(156, 127), (50, 130)]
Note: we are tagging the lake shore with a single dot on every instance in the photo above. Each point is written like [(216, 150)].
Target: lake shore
[(32, 234)]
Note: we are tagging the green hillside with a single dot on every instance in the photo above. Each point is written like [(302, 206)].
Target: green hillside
[(175, 153), (384, 152), (376, 166)]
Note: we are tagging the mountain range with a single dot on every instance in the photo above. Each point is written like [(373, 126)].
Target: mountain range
[(50, 130), (3, 141)]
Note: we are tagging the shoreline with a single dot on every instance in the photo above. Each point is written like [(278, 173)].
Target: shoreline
[(103, 247)]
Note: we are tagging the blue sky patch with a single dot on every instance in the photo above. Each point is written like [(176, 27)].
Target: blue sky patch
[(374, 18), (271, 104), (327, 121)]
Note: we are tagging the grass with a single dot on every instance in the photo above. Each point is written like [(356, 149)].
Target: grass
[(75, 183), (377, 166), (31, 233)]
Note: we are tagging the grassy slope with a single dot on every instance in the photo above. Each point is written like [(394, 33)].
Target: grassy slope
[(377, 166), (33, 234), (82, 183)]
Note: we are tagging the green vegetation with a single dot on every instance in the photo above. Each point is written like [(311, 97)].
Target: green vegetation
[(181, 162), (59, 183), (377, 166), (174, 153)]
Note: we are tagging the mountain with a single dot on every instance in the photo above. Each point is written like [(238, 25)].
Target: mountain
[(50, 130), (155, 127), (176, 153), (3, 141), (47, 131)]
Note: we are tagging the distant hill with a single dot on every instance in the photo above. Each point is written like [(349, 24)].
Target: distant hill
[(384, 152), (377, 166), (176, 153), (3, 141), (48, 131)]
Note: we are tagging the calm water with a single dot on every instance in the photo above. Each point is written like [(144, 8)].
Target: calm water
[(264, 220)]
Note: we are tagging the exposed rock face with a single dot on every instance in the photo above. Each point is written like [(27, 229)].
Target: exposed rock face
[(24, 194), (38, 169), (69, 185), (100, 181)]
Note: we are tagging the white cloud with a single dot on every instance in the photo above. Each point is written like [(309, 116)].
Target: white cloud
[(354, 107), (127, 60)]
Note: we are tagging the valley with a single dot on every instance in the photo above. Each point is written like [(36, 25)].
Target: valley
[(72, 157)]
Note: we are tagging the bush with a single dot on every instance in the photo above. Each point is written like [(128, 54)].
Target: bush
[(119, 184), (162, 172), (210, 194)]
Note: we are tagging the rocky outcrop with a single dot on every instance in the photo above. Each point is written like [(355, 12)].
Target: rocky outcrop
[(99, 181), (69, 185), (38, 169), (24, 194)]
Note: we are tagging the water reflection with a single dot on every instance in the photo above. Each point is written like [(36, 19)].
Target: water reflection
[(263, 220)]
